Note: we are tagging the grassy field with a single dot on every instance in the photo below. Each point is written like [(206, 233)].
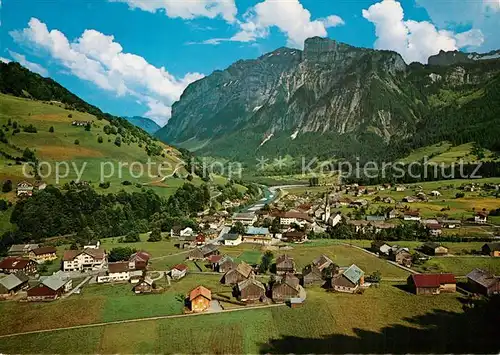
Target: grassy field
[(60, 146), (384, 319)]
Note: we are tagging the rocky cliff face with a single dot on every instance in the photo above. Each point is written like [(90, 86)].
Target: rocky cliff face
[(288, 99)]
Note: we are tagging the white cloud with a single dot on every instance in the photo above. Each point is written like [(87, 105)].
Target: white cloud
[(290, 17), (98, 58), (5, 60), (187, 9), (483, 15), (415, 41), (158, 111), (21, 59)]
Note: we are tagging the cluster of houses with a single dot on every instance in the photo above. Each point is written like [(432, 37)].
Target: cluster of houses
[(25, 188)]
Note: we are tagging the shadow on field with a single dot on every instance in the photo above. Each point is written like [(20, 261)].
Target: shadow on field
[(441, 332)]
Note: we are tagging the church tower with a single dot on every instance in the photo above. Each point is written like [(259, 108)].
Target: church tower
[(327, 214)]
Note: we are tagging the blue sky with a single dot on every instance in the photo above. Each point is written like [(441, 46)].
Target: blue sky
[(135, 57)]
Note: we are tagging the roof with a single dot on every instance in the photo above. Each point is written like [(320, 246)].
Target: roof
[(294, 234), (44, 250), (290, 279), (322, 260), (353, 273), (225, 259), (96, 253), (412, 213), (432, 245), (291, 214), (54, 282), (180, 267), (209, 248), (11, 281), (244, 269), (493, 246), (230, 236), (214, 258), (14, 262), (482, 277), (433, 280), (121, 266), (245, 283), (257, 231), (200, 291), (140, 256), (244, 216), (284, 259), (21, 248)]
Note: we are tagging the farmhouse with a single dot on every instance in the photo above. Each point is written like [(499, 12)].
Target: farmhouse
[(288, 287), (432, 284), (21, 249), (433, 248), (242, 272), (322, 262), (226, 263), (12, 283), (491, 249), (139, 260), (251, 290), (294, 237), (50, 288), (402, 256), (380, 247), (13, 264), (434, 229), (481, 218), (199, 299), (348, 280), (483, 282), (290, 217), (311, 274), (186, 232), (203, 253), (232, 239), (24, 188), (258, 239), (178, 271), (285, 264), (86, 259), (145, 285), (411, 216), (451, 223), (118, 271), (81, 123), (43, 254)]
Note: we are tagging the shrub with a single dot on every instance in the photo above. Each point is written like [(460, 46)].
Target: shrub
[(77, 142), (51, 129), (7, 186), (100, 139), (29, 129)]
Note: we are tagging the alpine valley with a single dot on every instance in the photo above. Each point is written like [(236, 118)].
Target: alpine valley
[(336, 100)]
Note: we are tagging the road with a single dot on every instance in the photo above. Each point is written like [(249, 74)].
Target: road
[(93, 325), (87, 279)]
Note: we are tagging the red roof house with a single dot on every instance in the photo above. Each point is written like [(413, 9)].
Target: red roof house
[(432, 284)]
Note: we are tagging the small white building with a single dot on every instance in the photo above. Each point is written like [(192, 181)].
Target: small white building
[(178, 271), (232, 239), (481, 218), (186, 232)]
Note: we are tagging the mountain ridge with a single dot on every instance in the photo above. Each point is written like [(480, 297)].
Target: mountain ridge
[(144, 123), (360, 100)]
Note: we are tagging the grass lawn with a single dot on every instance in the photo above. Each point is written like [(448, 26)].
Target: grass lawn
[(382, 320), (460, 266)]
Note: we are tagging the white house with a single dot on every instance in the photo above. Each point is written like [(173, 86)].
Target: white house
[(186, 232), (334, 220), (481, 218), (84, 260), (435, 193), (246, 219), (178, 271), (118, 271), (411, 216), (232, 239)]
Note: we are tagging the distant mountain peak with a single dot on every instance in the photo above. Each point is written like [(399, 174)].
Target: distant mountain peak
[(145, 123)]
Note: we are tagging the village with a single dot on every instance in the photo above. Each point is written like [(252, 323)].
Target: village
[(271, 233)]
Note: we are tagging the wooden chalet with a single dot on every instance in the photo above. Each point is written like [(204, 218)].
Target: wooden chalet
[(491, 249), (13, 264), (199, 299), (288, 287), (349, 280), (294, 237), (12, 283), (242, 272), (402, 256), (432, 284), (433, 248), (226, 263), (145, 285), (311, 274), (139, 260), (251, 290), (483, 282), (285, 264)]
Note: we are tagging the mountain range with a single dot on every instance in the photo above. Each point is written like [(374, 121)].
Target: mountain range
[(336, 100), (145, 123)]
